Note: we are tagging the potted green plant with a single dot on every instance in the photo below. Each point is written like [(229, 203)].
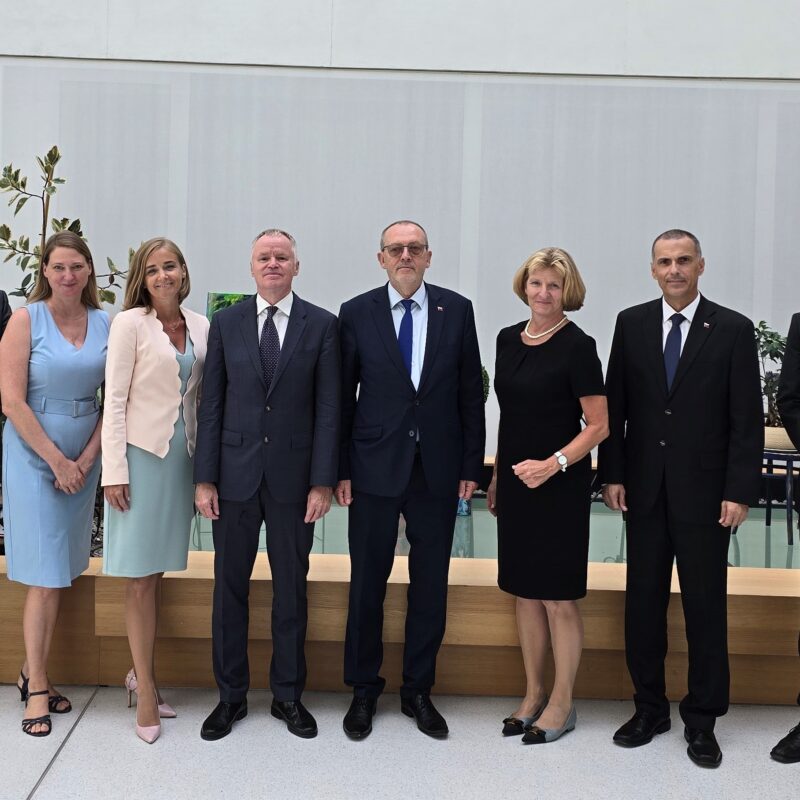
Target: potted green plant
[(771, 348)]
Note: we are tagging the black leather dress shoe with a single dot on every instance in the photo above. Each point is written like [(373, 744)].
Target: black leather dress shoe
[(357, 722), (787, 751), (220, 721), (297, 717), (429, 720), (640, 729), (703, 748)]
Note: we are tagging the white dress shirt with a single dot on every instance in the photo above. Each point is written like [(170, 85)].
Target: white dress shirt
[(280, 318), (419, 321), (688, 314)]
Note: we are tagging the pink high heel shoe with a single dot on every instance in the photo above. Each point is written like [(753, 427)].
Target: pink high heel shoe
[(165, 710), (147, 733)]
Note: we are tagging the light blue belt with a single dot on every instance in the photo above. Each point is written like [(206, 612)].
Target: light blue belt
[(67, 408)]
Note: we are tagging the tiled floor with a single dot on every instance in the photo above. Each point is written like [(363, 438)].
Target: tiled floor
[(93, 753)]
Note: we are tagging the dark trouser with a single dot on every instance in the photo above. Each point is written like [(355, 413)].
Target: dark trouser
[(289, 542), (373, 520), (701, 552)]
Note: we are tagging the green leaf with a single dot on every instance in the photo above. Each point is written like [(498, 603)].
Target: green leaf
[(27, 279), (107, 296), (23, 264), (75, 227), (21, 203), (50, 190), (59, 180), (9, 256), (4, 184), (5, 232), (53, 156), (18, 293), (24, 243), (41, 164)]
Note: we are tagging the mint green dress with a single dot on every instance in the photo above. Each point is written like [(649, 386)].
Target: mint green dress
[(153, 535)]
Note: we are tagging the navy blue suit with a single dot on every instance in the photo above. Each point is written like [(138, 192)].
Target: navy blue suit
[(264, 447), (405, 451)]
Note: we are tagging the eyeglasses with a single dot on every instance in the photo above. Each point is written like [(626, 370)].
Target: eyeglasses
[(396, 250)]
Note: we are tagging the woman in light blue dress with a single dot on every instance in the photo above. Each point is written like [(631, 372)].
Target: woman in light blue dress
[(156, 352), (52, 360)]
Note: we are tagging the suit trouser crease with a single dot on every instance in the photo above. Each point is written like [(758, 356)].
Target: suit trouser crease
[(289, 542), (373, 526), (700, 550)]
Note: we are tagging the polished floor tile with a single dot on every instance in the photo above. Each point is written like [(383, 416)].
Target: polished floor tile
[(102, 758)]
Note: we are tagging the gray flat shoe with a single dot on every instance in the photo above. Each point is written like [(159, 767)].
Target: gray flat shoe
[(536, 735)]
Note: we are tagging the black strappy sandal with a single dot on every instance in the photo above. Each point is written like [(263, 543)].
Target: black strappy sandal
[(53, 700), (29, 722)]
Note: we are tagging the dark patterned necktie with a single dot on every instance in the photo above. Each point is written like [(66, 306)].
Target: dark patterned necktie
[(405, 336), (672, 349), (269, 346)]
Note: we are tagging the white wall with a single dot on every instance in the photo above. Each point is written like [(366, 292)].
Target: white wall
[(495, 165), (659, 38)]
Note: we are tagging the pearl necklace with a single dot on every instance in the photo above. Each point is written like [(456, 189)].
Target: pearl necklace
[(543, 333)]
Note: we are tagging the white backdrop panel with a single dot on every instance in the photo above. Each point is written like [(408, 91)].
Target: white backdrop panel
[(494, 167)]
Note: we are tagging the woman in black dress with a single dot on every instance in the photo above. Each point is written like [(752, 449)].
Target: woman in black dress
[(547, 377)]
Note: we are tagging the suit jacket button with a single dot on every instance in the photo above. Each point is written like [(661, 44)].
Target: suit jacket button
[(663, 443), (412, 433), (269, 409), (666, 411), (416, 402), (266, 440)]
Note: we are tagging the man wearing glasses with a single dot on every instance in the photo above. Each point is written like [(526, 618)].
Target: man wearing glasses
[(413, 436)]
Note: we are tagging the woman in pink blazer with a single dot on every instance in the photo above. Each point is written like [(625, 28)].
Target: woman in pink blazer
[(154, 370)]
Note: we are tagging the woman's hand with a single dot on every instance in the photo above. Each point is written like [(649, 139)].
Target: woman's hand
[(535, 473), (69, 476), (491, 496), (118, 496), (86, 462)]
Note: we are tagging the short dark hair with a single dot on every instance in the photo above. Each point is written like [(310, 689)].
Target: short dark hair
[(676, 233), (404, 222)]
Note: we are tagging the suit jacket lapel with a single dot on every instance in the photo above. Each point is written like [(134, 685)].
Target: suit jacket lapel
[(294, 330), (248, 325), (382, 316), (701, 328), (653, 340), (436, 312)]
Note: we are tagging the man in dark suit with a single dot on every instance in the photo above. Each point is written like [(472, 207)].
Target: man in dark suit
[(413, 437), (5, 312), (684, 461), (267, 450), (788, 749)]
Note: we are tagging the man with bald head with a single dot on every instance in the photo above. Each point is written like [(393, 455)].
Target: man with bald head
[(683, 459), (412, 443), (267, 451)]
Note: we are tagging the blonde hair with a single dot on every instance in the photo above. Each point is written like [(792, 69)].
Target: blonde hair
[(41, 288), (560, 261), (136, 294)]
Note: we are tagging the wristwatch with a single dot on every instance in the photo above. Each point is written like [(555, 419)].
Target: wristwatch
[(562, 460)]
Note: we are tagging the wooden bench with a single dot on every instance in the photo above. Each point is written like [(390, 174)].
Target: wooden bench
[(480, 654)]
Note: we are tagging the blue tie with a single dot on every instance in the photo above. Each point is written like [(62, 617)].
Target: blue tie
[(405, 336), (672, 349)]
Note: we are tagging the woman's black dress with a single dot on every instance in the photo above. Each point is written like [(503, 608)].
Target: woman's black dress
[(543, 533)]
